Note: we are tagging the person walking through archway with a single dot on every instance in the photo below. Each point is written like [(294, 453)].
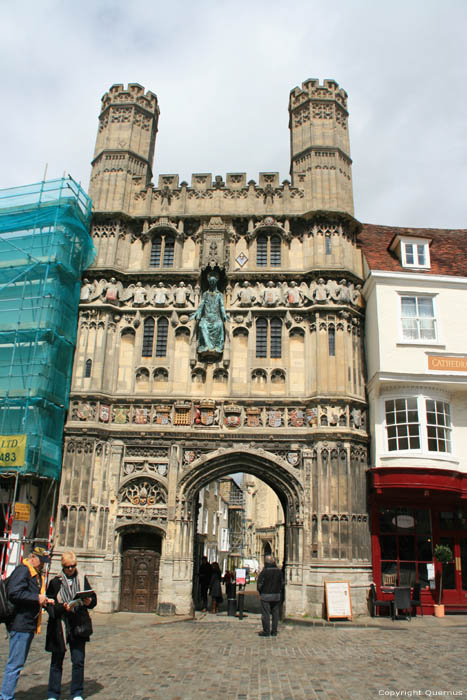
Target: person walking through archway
[(204, 575), (270, 585), (215, 587)]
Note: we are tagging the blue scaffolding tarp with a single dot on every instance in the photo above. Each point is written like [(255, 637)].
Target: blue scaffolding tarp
[(44, 247)]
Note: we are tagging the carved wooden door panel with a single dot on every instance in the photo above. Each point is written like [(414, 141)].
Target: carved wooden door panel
[(140, 580)]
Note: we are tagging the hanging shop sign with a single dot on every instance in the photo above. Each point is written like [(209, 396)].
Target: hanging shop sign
[(12, 451)]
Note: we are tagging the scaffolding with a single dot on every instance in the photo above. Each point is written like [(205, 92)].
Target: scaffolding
[(44, 247)]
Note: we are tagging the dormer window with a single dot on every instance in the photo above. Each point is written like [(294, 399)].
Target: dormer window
[(412, 252), (415, 254)]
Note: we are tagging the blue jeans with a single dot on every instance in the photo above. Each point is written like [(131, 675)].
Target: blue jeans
[(77, 651), (19, 650)]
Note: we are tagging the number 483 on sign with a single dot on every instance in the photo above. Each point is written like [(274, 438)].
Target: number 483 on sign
[(12, 450)]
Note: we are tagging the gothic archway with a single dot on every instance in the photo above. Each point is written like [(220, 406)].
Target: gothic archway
[(276, 471)]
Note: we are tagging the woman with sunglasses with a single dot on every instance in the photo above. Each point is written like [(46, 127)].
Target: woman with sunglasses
[(69, 623)]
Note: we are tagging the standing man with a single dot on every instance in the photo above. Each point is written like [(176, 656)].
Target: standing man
[(204, 573), (26, 589), (270, 584)]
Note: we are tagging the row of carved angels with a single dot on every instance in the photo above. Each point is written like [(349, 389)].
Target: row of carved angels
[(295, 295), (113, 292), (244, 294)]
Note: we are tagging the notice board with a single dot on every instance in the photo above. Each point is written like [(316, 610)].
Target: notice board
[(338, 599)]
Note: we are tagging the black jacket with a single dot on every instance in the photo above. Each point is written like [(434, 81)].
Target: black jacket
[(270, 583), (23, 591), (55, 640)]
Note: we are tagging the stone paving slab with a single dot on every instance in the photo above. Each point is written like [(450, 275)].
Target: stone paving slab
[(213, 656)]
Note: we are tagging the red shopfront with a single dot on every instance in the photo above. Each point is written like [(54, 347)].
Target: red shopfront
[(412, 510)]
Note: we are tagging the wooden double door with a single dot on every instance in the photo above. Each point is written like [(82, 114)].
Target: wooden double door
[(140, 580)]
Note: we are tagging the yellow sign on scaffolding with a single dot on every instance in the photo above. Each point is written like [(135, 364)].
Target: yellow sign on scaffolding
[(12, 451), (22, 512)]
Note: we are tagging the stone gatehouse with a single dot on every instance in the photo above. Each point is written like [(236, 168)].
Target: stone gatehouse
[(220, 331)]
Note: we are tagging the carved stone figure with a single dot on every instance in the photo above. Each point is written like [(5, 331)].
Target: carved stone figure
[(210, 318), (271, 295), (344, 292), (356, 296), (244, 295), (140, 297), (87, 290), (183, 295), (294, 294), (320, 292), (112, 290), (161, 297)]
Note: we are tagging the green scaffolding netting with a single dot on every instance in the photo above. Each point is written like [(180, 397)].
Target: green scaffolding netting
[(44, 247)]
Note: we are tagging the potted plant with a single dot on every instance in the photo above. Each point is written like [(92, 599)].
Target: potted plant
[(443, 554)]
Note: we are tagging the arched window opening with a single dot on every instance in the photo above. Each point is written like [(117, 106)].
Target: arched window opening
[(261, 337), (273, 348), (262, 251), (275, 257), (148, 337), (268, 250), (161, 340), (162, 251), (88, 368), (169, 247), (276, 337), (327, 245), (332, 341)]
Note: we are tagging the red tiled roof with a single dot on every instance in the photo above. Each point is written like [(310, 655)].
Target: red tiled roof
[(448, 254)]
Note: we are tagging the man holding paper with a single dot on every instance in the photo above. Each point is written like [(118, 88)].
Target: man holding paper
[(69, 623)]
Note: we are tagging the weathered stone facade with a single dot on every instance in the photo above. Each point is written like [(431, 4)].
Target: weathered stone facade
[(152, 420)]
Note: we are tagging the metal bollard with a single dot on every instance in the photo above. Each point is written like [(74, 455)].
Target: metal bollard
[(231, 599), (241, 603)]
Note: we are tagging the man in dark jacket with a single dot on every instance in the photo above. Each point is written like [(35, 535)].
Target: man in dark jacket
[(26, 589), (270, 584)]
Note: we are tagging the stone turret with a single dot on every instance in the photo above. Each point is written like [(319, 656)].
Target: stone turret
[(124, 146), (320, 160)]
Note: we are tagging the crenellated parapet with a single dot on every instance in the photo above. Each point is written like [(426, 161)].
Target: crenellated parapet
[(312, 89), (320, 147), (124, 146), (321, 176)]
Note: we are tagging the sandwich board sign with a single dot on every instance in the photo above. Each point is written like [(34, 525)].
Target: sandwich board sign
[(338, 600)]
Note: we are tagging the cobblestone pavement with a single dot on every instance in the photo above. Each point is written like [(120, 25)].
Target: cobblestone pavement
[(137, 656)]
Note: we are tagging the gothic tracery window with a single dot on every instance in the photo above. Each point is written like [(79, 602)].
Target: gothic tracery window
[(269, 337), (268, 250), (148, 337), (162, 251), (161, 340)]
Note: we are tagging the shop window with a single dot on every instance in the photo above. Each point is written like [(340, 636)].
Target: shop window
[(438, 425), (418, 424), (268, 250), (405, 542), (418, 318)]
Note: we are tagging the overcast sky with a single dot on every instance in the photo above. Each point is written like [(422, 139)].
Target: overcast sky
[(223, 71)]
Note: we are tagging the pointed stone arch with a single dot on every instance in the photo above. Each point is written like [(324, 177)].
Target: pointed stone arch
[(272, 469)]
